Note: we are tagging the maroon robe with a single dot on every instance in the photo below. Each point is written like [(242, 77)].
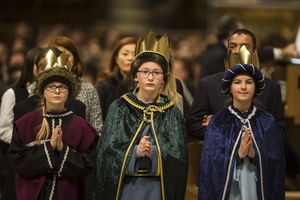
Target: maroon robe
[(41, 172)]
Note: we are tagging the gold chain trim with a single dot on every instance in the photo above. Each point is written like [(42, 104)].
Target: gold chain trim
[(150, 108)]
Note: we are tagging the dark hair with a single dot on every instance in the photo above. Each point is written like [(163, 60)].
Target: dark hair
[(113, 66), (67, 43), (226, 25), (122, 42), (91, 70), (246, 32), (28, 66), (150, 57)]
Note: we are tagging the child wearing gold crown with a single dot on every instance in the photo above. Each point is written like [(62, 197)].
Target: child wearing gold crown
[(143, 151), (52, 148), (243, 155)]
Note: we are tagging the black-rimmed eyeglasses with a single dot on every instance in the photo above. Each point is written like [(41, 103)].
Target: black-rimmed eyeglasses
[(61, 88), (146, 73)]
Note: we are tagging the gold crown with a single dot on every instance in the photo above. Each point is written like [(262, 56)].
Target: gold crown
[(243, 57), (55, 58), (54, 63), (152, 44)]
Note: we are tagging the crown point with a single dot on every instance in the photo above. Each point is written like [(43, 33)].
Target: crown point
[(153, 44), (55, 58), (242, 57)]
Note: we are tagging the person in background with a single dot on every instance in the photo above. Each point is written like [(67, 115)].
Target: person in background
[(143, 151), (184, 74), (90, 72), (243, 155), (52, 148), (23, 89), (213, 59), (3, 69), (108, 85), (87, 92), (16, 61), (3, 88)]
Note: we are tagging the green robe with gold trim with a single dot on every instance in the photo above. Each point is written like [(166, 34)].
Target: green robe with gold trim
[(123, 127)]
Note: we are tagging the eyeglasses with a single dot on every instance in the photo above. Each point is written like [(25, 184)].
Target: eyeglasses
[(61, 88), (146, 73)]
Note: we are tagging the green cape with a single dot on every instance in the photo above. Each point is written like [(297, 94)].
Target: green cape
[(122, 131)]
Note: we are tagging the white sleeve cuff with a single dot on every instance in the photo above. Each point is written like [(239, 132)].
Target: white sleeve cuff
[(278, 55)]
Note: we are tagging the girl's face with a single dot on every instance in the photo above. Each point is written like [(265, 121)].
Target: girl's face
[(69, 54), (125, 58), (150, 78), (242, 89), (56, 94)]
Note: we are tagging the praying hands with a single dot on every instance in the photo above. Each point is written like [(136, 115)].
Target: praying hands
[(56, 139), (145, 147), (246, 146)]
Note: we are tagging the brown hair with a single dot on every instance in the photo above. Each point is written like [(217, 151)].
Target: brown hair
[(67, 43), (113, 66)]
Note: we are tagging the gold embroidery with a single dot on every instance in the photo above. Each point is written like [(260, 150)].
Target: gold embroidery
[(150, 108)]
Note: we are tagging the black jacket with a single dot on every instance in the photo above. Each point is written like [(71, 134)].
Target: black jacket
[(211, 66), (109, 90), (213, 59)]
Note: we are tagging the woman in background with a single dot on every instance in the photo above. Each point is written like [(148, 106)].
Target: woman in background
[(119, 68), (23, 89)]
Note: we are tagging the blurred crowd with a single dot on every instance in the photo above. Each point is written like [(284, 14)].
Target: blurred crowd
[(95, 46)]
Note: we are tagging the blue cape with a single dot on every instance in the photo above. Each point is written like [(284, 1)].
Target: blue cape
[(220, 138)]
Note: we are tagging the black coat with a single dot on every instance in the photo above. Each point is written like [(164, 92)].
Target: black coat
[(209, 100), (211, 66), (213, 59), (109, 90)]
